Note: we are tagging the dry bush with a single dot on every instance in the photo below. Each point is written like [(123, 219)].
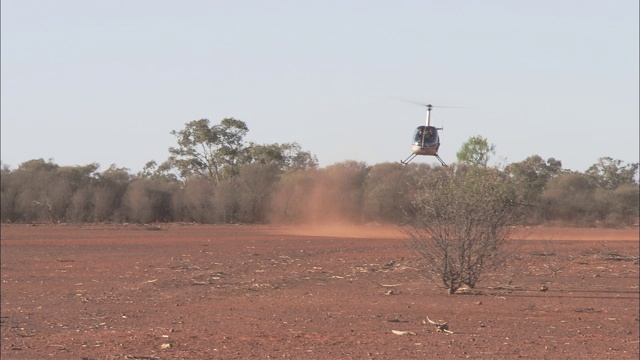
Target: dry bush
[(255, 183), (81, 206), (149, 201), (11, 186), (462, 220), (626, 209), (196, 200), (570, 198)]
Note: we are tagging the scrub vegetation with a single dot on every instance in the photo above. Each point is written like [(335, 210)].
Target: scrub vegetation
[(214, 176)]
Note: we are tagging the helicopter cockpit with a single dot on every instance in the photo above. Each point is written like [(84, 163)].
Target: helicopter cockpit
[(425, 136)]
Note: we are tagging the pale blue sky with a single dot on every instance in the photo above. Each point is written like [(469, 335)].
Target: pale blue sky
[(107, 80)]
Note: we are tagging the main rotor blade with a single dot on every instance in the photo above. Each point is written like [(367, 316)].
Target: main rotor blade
[(428, 105)]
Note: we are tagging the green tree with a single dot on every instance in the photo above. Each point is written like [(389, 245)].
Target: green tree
[(385, 192), (287, 156), (38, 165), (153, 171), (476, 151), (214, 151), (608, 173), (532, 175)]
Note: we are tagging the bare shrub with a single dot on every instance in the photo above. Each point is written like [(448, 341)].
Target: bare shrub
[(553, 260), (462, 220), (556, 263), (513, 269)]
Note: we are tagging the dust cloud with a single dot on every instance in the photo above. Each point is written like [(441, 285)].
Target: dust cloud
[(341, 229), (332, 202)]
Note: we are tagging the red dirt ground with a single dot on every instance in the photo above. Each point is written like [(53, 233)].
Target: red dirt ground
[(182, 291)]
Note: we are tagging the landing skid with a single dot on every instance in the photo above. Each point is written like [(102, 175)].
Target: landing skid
[(412, 156), (439, 159), (408, 160)]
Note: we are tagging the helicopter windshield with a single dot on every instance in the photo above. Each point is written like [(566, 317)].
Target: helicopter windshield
[(425, 136)]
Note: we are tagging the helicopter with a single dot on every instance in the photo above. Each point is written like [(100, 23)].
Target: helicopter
[(425, 140)]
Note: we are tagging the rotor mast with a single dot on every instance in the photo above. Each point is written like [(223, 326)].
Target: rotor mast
[(429, 106)]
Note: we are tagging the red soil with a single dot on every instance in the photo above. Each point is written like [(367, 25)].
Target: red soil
[(322, 292)]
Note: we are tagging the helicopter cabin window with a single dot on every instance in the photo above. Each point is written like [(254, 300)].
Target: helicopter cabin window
[(425, 136)]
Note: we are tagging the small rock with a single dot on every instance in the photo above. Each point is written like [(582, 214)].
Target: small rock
[(398, 332)]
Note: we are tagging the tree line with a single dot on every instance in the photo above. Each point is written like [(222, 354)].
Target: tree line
[(214, 176)]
